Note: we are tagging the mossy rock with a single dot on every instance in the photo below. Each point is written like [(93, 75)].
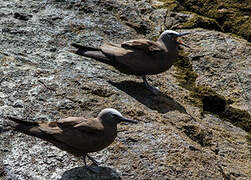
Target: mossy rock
[(185, 74), (171, 5), (201, 136), (233, 16), (227, 16), (237, 117), (206, 98), (200, 21)]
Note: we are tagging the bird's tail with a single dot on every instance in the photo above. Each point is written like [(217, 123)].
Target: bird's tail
[(91, 53), (32, 129), (23, 126)]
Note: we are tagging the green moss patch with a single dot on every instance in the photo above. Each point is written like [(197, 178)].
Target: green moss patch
[(171, 5), (198, 135), (233, 16), (185, 74), (207, 99), (198, 21), (225, 15), (238, 117)]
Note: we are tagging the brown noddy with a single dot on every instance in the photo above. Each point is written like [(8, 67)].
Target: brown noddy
[(76, 135), (139, 56)]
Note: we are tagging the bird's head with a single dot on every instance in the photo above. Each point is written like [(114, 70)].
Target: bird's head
[(112, 117), (170, 38)]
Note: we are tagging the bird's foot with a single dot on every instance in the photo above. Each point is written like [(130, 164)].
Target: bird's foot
[(96, 163), (154, 90)]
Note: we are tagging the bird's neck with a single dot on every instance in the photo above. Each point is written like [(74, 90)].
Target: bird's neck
[(169, 44), (172, 50)]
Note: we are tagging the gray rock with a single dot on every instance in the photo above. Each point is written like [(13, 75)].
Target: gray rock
[(175, 139)]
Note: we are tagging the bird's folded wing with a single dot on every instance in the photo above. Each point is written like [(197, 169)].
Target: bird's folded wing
[(76, 131), (143, 44), (91, 125), (114, 50)]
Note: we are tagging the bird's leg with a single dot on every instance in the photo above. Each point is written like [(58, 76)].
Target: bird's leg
[(93, 160), (154, 90), (84, 159)]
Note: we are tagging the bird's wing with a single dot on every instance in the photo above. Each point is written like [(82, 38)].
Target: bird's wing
[(114, 50), (141, 46), (91, 125), (139, 56), (144, 45), (73, 134)]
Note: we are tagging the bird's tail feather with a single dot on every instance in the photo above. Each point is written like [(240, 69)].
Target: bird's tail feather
[(22, 126), (18, 121), (92, 53), (32, 129), (84, 48)]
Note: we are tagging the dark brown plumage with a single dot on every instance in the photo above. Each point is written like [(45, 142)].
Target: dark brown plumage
[(138, 57), (76, 135)]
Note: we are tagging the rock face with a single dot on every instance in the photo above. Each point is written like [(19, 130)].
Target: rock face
[(198, 128), (226, 16)]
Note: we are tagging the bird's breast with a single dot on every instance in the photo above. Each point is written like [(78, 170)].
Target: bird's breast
[(157, 65), (99, 142)]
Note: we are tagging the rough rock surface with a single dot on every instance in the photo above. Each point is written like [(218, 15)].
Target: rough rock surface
[(226, 16), (198, 128)]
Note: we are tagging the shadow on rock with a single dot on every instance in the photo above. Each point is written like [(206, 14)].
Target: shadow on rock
[(101, 173), (3, 129), (162, 103)]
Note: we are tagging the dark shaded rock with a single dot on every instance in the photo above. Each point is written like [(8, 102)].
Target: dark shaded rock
[(201, 136), (162, 103), (213, 104), (22, 16), (18, 104), (85, 173)]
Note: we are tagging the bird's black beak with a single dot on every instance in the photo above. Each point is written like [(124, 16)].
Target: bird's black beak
[(123, 119), (181, 42), (183, 34)]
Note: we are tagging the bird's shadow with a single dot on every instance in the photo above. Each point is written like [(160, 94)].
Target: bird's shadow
[(4, 129), (97, 172), (161, 102), (1, 130)]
